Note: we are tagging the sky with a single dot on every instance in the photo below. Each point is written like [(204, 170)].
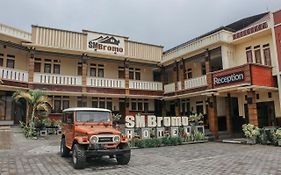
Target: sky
[(162, 22)]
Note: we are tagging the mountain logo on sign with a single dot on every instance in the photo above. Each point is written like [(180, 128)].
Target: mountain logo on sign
[(107, 40)]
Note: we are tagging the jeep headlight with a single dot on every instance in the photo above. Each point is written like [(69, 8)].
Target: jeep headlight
[(94, 139), (116, 139)]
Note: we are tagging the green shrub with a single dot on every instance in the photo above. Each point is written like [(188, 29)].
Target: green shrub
[(140, 143), (166, 141), (199, 136)]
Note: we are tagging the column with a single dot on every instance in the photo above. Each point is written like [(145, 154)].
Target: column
[(31, 68), (212, 115), (229, 114), (126, 67), (252, 108), (84, 59), (183, 74)]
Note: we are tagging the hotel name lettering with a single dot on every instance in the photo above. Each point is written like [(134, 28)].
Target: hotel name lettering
[(139, 121)]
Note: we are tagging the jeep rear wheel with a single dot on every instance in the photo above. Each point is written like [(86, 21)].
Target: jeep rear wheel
[(64, 151), (124, 159), (78, 157)]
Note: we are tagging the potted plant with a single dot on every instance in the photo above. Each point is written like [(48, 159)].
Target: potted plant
[(251, 132), (116, 119), (277, 135)]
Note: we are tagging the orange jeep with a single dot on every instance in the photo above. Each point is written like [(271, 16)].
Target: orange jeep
[(88, 132)]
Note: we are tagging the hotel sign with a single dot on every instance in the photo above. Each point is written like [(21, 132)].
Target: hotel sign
[(105, 43), (229, 78), (250, 30)]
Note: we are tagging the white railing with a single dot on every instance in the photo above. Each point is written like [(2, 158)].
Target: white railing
[(105, 82), (168, 88), (196, 44), (145, 85), (57, 79), (195, 82), (14, 32), (179, 86), (13, 74)]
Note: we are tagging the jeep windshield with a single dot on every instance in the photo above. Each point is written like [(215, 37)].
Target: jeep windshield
[(93, 116)]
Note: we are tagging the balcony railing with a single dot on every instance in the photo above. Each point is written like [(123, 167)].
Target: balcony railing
[(105, 82), (196, 82), (145, 85), (57, 79), (11, 31), (179, 88), (168, 88), (13, 74)]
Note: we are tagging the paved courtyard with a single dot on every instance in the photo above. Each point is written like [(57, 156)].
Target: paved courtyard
[(41, 157)]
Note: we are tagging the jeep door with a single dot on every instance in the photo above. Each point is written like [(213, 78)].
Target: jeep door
[(69, 128)]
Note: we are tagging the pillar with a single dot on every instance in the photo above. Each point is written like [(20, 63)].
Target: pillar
[(177, 107), (126, 67), (183, 74), (212, 115), (252, 108), (84, 73), (31, 68), (229, 114), (163, 104)]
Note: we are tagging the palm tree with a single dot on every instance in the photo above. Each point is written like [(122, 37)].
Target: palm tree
[(36, 101)]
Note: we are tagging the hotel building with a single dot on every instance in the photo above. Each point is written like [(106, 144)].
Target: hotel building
[(230, 74)]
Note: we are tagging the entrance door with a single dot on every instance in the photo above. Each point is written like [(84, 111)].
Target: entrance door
[(266, 114), (237, 121), (122, 110)]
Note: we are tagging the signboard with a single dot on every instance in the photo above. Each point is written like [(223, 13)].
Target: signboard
[(108, 44), (229, 78)]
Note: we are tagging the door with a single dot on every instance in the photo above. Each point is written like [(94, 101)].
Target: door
[(266, 114), (122, 109), (237, 121), (68, 126)]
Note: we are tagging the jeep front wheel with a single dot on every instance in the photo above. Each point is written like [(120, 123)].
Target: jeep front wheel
[(124, 159), (64, 151), (78, 157)]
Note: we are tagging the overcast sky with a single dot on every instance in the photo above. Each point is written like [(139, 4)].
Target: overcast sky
[(162, 22)]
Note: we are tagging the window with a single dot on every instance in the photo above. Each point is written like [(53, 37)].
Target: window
[(56, 69), (79, 69), (93, 72), (266, 53), (134, 74), (258, 54), (189, 73), (10, 61), (131, 73), (57, 106), (1, 59), (100, 70), (121, 72), (249, 55), (68, 118), (37, 67), (81, 102), (65, 104), (140, 105), (47, 68), (203, 68), (102, 103)]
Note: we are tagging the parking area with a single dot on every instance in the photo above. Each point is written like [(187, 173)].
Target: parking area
[(42, 157)]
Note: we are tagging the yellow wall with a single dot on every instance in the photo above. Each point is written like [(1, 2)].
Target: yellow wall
[(21, 58)]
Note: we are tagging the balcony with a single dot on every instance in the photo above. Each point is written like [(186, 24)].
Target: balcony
[(56, 79), (11, 31), (169, 88), (105, 83), (247, 74), (196, 82), (145, 85), (13, 74)]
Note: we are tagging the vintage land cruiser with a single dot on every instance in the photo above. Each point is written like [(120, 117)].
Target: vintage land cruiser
[(88, 133)]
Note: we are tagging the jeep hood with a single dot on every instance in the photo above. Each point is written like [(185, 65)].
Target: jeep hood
[(94, 129)]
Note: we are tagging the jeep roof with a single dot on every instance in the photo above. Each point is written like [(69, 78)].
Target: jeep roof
[(85, 109)]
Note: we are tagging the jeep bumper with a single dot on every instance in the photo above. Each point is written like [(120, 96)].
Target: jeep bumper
[(107, 152)]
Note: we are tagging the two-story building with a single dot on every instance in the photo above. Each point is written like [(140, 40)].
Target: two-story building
[(230, 74), (85, 68)]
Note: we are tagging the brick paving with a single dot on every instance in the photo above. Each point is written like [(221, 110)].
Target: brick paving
[(42, 157)]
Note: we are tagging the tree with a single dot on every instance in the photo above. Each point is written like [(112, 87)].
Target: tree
[(36, 101)]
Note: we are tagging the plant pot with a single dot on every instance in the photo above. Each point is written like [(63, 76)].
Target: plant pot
[(251, 141)]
